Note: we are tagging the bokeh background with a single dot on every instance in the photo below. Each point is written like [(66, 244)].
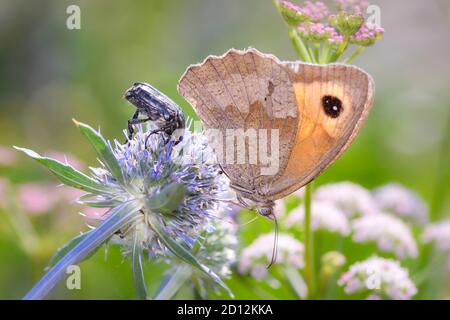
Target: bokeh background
[(49, 75)]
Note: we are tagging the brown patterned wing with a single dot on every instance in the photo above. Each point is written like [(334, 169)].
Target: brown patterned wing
[(333, 102), (242, 98)]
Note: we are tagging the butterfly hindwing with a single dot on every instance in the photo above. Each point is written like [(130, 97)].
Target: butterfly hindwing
[(323, 133)]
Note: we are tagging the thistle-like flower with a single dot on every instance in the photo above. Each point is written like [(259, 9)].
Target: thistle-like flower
[(217, 251), (255, 258), (389, 233), (380, 278), (402, 202), (161, 197)]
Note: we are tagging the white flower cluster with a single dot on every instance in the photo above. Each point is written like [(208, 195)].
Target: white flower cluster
[(381, 278), (255, 258), (438, 233), (350, 197), (324, 216), (402, 202), (390, 234)]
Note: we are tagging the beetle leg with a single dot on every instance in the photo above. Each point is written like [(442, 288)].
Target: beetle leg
[(159, 130), (132, 122)]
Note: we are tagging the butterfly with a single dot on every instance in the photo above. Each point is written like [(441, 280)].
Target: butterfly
[(275, 125)]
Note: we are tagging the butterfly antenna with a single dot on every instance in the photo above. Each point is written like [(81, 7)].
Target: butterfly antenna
[(275, 244), (233, 202), (248, 222)]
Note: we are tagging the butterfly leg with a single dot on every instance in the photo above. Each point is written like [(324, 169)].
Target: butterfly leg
[(240, 188)]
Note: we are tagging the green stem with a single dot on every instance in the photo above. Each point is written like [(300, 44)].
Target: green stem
[(174, 283), (299, 46), (138, 270), (316, 48), (341, 49), (296, 281), (310, 272), (442, 175), (325, 53), (355, 54)]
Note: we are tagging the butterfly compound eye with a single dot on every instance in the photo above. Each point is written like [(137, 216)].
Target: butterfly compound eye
[(332, 106)]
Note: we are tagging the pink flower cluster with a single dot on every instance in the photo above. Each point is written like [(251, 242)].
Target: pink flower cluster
[(367, 35), (352, 6), (316, 11), (312, 21)]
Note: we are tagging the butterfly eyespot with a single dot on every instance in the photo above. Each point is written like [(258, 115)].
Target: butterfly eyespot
[(332, 106)]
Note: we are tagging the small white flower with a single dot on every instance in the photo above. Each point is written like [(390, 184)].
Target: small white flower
[(324, 216), (390, 234), (255, 258), (402, 202), (380, 278), (438, 233), (350, 197)]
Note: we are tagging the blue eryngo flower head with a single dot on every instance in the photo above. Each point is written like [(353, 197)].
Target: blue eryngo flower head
[(379, 278), (255, 258), (402, 202), (217, 251), (161, 197), (178, 185)]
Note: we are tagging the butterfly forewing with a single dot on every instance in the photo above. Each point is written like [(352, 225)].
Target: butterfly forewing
[(247, 98)]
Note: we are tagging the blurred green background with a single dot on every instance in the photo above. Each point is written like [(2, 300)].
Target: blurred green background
[(49, 75)]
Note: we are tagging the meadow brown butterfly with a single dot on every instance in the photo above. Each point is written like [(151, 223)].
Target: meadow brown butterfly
[(275, 125)]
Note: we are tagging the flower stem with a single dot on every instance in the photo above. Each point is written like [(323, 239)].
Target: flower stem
[(325, 53), (297, 282), (138, 270), (316, 48), (310, 272), (340, 50), (442, 174), (119, 217), (174, 282), (355, 54), (299, 46)]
